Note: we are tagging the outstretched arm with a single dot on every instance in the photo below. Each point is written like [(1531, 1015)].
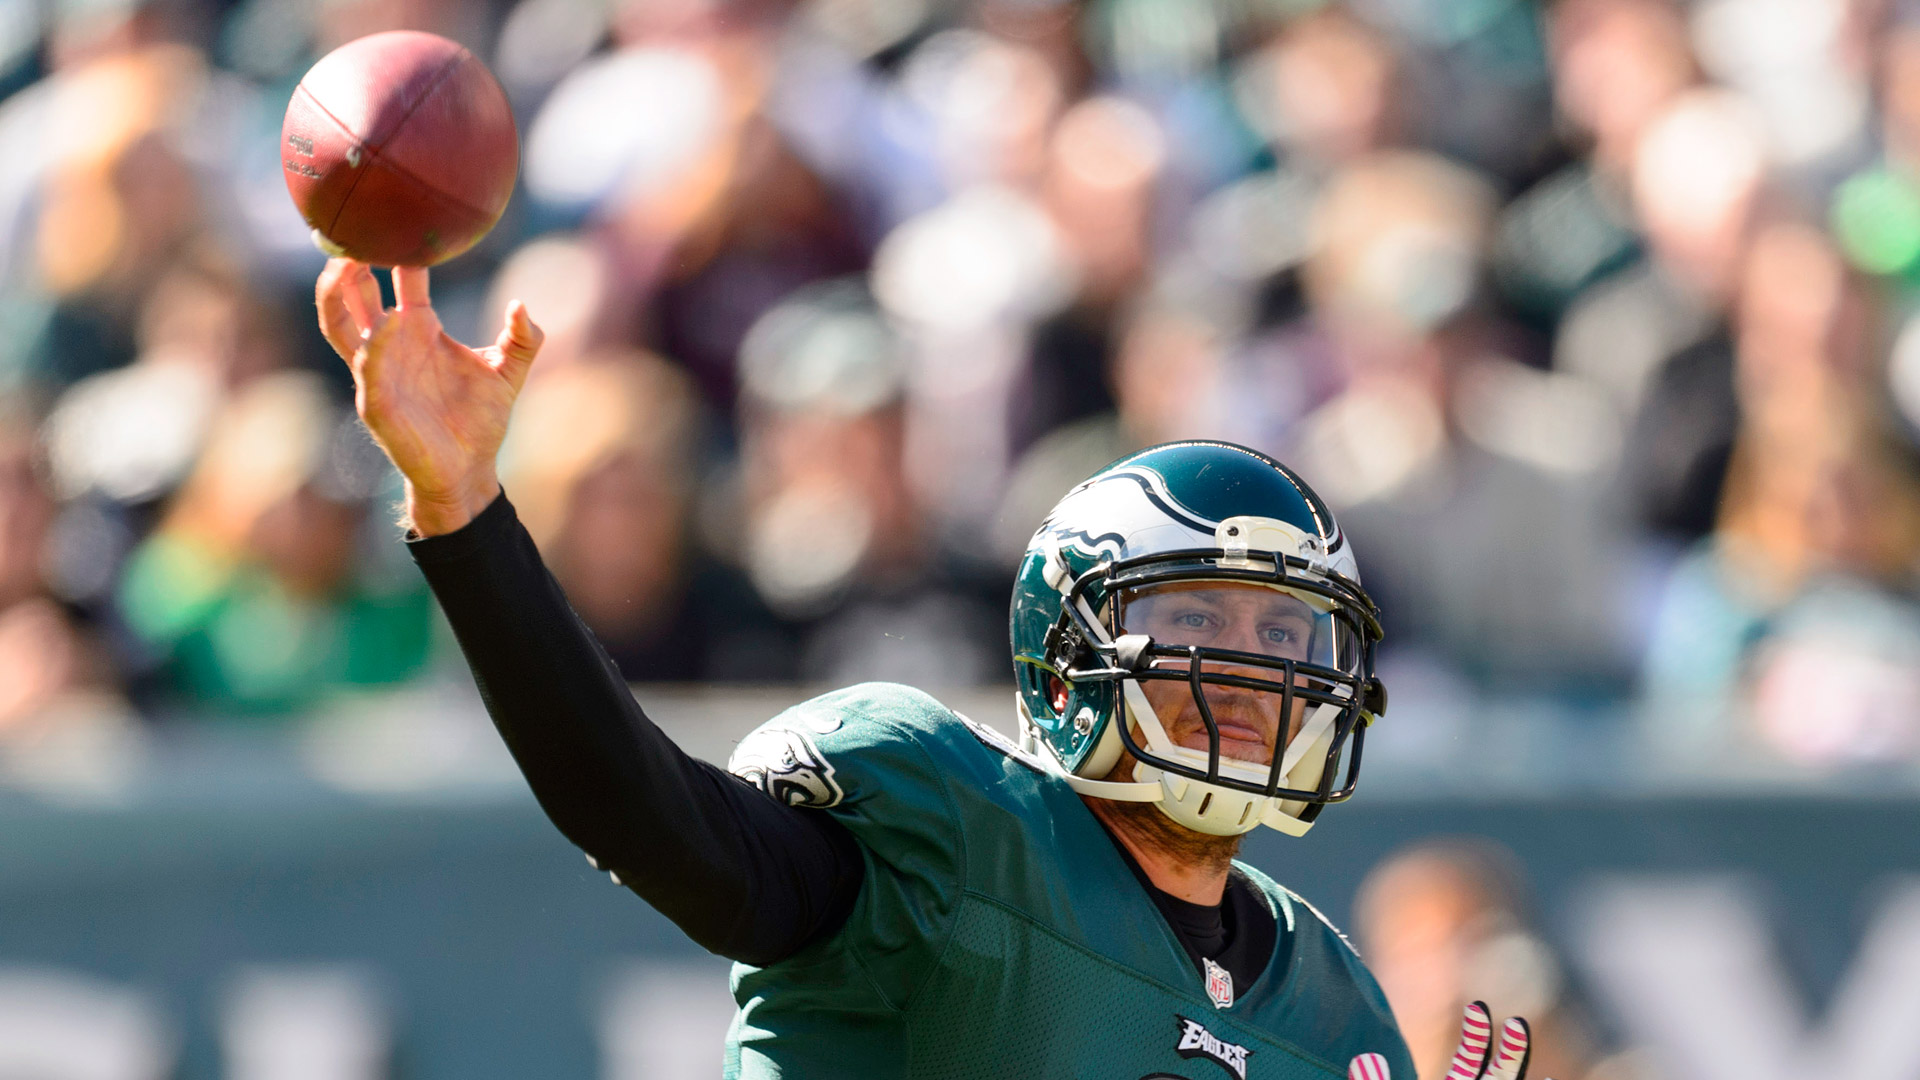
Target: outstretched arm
[(743, 875)]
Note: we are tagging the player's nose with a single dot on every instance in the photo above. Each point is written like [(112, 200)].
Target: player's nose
[(1247, 708)]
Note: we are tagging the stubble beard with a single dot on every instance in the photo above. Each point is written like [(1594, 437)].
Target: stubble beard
[(1148, 826)]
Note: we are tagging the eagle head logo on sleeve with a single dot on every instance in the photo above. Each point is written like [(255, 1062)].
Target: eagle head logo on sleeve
[(785, 763)]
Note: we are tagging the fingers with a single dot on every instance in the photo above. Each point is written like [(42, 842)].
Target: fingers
[(337, 322), (369, 363), (363, 296), (1369, 1067), (1510, 1058), (348, 301), (410, 286), (1470, 1061), (1476, 1029), (519, 342)]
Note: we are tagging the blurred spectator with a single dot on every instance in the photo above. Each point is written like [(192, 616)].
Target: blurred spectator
[(972, 283), (712, 216), (1443, 439), (337, 22), (1811, 569), (53, 673), (601, 465), (113, 211), (1697, 180), (260, 592), (1103, 161), (1617, 64), (1166, 385), (1804, 68), (132, 434), (133, 149), (566, 279), (831, 531), (121, 441), (1398, 242), (822, 463), (1325, 91), (1442, 924)]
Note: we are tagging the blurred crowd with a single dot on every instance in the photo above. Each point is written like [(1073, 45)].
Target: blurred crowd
[(1590, 318), (1448, 921)]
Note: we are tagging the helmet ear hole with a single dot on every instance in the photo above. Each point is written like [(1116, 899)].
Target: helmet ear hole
[(1057, 694)]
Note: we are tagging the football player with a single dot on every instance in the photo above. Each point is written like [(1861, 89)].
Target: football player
[(907, 892)]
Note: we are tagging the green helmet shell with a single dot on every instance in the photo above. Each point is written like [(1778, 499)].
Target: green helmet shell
[(1165, 505)]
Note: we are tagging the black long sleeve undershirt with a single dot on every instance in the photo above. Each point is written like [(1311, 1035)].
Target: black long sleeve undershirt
[(745, 876)]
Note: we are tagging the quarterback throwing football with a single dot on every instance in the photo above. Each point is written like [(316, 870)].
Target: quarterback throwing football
[(907, 892)]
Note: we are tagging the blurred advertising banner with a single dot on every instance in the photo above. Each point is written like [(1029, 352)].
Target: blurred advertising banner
[(370, 900)]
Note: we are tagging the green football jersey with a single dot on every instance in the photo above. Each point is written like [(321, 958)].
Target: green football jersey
[(999, 933)]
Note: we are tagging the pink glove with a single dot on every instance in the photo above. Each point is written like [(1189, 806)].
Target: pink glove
[(1471, 1060)]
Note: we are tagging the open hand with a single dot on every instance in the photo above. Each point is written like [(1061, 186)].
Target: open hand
[(438, 408), (1476, 1059)]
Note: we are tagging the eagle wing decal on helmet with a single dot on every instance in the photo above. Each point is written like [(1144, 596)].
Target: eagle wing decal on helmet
[(1127, 503), (1155, 487)]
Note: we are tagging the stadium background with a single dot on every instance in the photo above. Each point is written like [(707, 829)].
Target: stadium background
[(1591, 319)]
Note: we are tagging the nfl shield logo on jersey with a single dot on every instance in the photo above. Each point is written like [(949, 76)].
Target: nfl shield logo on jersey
[(1219, 984)]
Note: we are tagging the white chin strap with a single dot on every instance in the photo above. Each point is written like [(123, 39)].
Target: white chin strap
[(1211, 808)]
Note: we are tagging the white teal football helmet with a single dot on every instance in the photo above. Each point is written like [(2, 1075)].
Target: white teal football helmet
[(1196, 519)]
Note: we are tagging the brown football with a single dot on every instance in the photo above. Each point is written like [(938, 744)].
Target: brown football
[(399, 149)]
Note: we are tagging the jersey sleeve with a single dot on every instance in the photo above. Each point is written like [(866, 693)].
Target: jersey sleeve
[(873, 757)]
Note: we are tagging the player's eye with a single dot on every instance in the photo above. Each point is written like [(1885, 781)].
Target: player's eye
[(1287, 637), (1193, 620)]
